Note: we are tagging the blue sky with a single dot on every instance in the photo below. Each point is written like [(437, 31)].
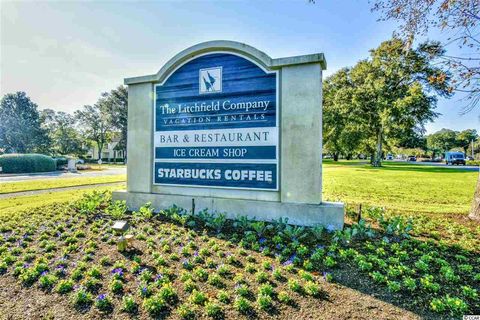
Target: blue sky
[(64, 54)]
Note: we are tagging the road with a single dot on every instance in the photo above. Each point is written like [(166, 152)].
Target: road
[(63, 175), (442, 164)]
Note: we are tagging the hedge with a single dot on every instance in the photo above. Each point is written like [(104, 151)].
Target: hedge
[(26, 163)]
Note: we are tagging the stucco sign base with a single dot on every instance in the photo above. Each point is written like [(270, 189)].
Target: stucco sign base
[(329, 214), (222, 97)]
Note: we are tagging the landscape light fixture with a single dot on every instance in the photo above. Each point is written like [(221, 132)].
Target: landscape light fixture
[(120, 227)]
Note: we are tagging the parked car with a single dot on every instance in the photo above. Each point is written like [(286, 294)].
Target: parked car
[(455, 158), (412, 158), (469, 158), (389, 157)]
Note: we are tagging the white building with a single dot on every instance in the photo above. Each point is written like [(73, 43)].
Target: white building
[(110, 152)]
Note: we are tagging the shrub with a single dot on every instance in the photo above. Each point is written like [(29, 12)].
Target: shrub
[(103, 303), (213, 310), (64, 286), (186, 311), (311, 288), (284, 297), (223, 296), (81, 298), (264, 302), (129, 305), (116, 286), (26, 163), (155, 305), (198, 297), (242, 305)]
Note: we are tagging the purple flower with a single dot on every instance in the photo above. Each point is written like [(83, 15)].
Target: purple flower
[(325, 275), (158, 277), (102, 297), (195, 254), (60, 269), (118, 271), (287, 263), (44, 273), (144, 290), (278, 246), (262, 240)]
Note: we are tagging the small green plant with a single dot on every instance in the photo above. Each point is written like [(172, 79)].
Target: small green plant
[(116, 286), (311, 288), (223, 296), (64, 286), (294, 285), (410, 284), (117, 209), (168, 293), (213, 310), (103, 303), (47, 281), (186, 311), (266, 289), (264, 302), (94, 272), (129, 305), (242, 290), (198, 297), (242, 305), (261, 277), (215, 280), (470, 292), (394, 286), (284, 297), (82, 298), (155, 305), (190, 285)]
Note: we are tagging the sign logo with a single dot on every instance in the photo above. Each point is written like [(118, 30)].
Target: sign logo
[(210, 80)]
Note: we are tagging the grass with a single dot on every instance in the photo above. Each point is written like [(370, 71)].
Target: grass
[(58, 183), (401, 187), (26, 203)]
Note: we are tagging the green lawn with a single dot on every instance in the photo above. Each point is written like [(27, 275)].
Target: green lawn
[(21, 203), (401, 187), (58, 183)]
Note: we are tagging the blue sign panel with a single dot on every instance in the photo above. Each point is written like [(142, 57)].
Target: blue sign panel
[(265, 152), (217, 111), (234, 175)]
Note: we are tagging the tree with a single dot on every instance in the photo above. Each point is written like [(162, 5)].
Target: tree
[(391, 91), (61, 130), (342, 132), (465, 138), (96, 125), (441, 141), (461, 18), (115, 104), (20, 125)]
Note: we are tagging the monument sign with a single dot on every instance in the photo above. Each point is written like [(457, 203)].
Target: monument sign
[(226, 127)]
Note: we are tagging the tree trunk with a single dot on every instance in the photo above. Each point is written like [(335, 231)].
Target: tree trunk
[(100, 149), (377, 162), (335, 156), (475, 211)]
